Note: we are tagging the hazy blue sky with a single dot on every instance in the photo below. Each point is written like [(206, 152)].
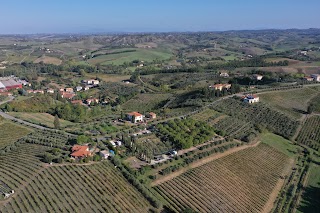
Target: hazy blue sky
[(65, 16)]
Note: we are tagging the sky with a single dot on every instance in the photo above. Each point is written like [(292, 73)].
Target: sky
[(103, 16)]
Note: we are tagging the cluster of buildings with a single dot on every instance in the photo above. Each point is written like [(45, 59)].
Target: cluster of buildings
[(82, 151), (313, 77)]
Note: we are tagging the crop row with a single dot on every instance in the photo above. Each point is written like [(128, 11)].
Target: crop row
[(240, 182), (20, 165), (310, 133), (95, 188), (49, 138), (259, 114)]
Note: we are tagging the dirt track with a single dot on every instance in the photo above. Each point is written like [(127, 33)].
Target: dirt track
[(201, 162)]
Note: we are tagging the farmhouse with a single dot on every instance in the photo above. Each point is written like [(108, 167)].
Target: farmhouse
[(91, 82), (50, 90), (134, 117), (251, 99), (92, 100), (67, 95), (308, 79), (316, 77), (224, 74), (80, 151), (257, 77), (221, 86), (152, 115), (70, 90)]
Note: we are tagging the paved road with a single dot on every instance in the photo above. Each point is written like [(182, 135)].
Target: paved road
[(9, 117), (6, 101)]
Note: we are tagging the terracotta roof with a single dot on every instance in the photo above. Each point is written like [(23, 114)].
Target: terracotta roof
[(136, 114), (152, 113), (80, 151), (67, 95), (77, 102)]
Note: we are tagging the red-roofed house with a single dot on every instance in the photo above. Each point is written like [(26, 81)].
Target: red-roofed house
[(67, 95), (134, 117), (80, 151)]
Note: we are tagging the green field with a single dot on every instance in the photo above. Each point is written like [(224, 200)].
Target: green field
[(311, 197), (279, 143), (43, 119), (10, 132), (146, 102), (291, 102), (146, 55)]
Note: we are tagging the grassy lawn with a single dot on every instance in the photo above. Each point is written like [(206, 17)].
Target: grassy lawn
[(279, 143), (291, 102), (11, 132), (40, 118), (311, 197)]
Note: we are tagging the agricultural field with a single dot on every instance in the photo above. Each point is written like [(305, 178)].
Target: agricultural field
[(310, 133), (94, 188), (283, 145), (240, 182), (185, 133), (50, 138), (259, 114), (153, 144), (292, 102), (10, 133), (48, 60), (18, 167), (206, 115), (233, 127), (310, 198), (147, 55), (108, 77), (146, 102), (43, 119), (315, 102)]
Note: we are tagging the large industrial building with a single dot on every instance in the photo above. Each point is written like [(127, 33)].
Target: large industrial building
[(9, 84)]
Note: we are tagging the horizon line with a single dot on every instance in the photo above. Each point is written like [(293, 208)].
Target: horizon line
[(152, 32)]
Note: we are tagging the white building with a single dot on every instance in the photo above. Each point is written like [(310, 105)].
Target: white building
[(104, 154), (224, 74), (78, 88), (258, 77), (50, 90), (134, 117), (251, 99)]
